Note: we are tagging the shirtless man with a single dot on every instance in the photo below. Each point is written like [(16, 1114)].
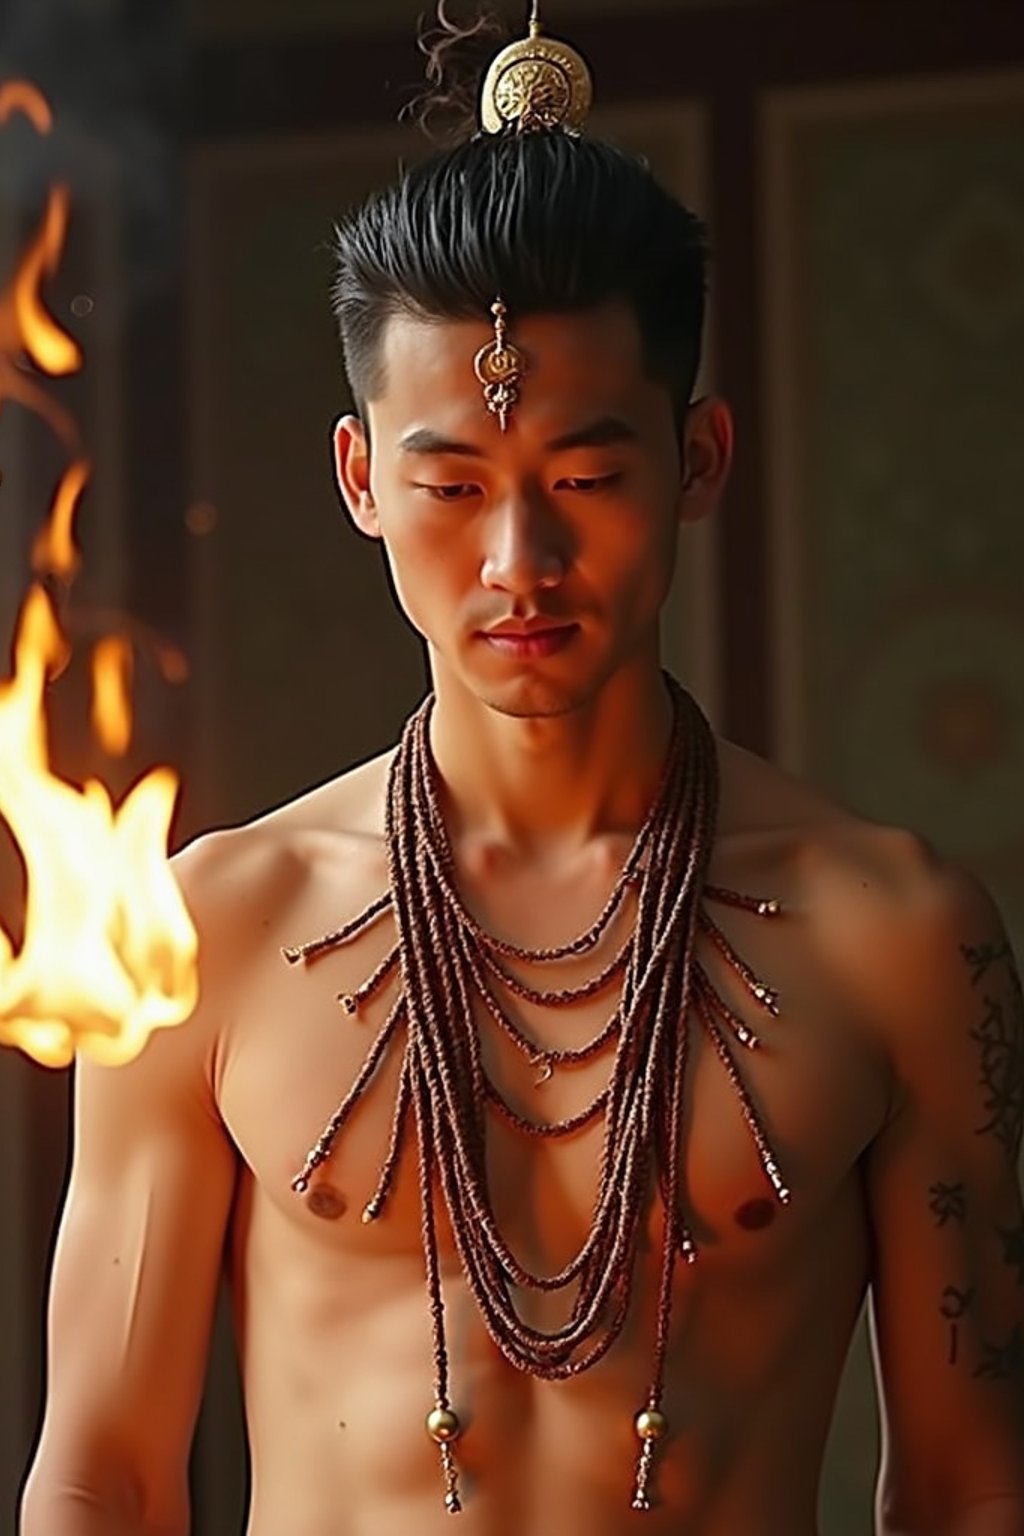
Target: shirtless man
[(890, 1083)]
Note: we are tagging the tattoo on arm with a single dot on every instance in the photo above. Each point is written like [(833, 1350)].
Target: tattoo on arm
[(947, 1202), (1003, 1362), (1000, 1036), (981, 957), (953, 1306)]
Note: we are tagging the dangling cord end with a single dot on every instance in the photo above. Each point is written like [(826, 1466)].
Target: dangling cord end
[(375, 1204), (452, 1502), (319, 1154), (444, 1427), (651, 1426)]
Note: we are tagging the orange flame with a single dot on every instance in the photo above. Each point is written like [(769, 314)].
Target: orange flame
[(109, 952), (109, 949), (22, 96), (25, 323), (46, 343), (111, 694), (54, 551)]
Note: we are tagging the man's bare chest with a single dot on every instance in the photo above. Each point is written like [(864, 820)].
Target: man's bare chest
[(291, 1054)]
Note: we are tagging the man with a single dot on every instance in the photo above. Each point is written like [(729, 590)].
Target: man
[(521, 322)]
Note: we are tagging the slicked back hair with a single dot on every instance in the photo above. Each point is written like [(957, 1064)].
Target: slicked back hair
[(552, 222)]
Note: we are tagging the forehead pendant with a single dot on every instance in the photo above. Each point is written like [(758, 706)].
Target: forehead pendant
[(500, 368)]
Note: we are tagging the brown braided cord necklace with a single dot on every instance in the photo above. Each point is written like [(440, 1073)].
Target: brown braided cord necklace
[(444, 957)]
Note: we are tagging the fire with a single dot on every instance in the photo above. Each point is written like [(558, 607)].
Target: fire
[(109, 951), (111, 694), (54, 551), (22, 96), (46, 343), (25, 324)]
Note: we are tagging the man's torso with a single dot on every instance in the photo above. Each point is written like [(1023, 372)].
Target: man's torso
[(331, 1313)]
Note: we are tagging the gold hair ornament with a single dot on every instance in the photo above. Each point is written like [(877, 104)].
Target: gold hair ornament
[(535, 84), (500, 368)]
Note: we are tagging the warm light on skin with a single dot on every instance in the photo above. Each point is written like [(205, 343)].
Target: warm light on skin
[(572, 513)]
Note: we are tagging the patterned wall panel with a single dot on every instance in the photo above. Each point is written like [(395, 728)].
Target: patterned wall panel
[(893, 219)]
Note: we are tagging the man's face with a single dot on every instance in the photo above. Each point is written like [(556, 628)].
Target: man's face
[(571, 514)]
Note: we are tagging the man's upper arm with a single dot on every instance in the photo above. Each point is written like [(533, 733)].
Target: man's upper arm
[(136, 1269), (945, 1207)]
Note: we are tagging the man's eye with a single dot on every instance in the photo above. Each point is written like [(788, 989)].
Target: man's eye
[(589, 484), (449, 492)]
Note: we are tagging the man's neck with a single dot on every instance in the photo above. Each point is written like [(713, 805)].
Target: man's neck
[(547, 789)]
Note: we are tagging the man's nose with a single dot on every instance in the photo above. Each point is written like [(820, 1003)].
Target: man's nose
[(527, 545)]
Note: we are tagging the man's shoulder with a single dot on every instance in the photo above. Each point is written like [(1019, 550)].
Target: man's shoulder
[(279, 847), (888, 915), (895, 922), (849, 871), (886, 897)]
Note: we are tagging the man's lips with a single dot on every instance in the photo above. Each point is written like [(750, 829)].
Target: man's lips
[(529, 644), (528, 629)]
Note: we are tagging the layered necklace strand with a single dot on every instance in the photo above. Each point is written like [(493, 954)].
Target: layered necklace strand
[(444, 958)]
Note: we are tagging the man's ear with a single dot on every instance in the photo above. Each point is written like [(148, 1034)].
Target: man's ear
[(352, 472), (707, 455)]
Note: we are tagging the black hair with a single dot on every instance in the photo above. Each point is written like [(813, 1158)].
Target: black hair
[(551, 221)]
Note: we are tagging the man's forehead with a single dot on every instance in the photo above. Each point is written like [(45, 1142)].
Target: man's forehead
[(583, 365)]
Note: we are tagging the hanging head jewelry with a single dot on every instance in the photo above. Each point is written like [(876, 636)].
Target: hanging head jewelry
[(535, 85), (500, 368)]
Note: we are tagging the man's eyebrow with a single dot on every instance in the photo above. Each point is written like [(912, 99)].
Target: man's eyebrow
[(426, 440), (596, 434)]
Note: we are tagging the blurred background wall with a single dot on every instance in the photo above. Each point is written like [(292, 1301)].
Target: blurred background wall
[(857, 613)]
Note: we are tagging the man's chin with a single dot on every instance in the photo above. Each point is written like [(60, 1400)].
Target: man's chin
[(533, 698)]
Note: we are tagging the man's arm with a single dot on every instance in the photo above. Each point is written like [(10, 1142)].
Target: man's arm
[(945, 1206), (135, 1277)]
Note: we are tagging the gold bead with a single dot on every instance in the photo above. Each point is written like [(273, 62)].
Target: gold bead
[(650, 1424), (443, 1425), (348, 1002), (300, 1185), (370, 1213)]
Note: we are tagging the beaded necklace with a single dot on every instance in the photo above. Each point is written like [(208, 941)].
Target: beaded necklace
[(446, 958)]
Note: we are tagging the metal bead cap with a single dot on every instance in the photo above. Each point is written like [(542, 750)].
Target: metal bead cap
[(443, 1425), (650, 1424)]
